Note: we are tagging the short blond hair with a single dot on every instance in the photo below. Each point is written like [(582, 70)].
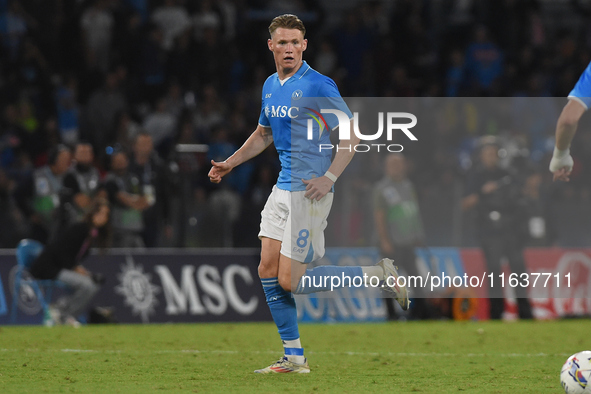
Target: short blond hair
[(287, 21)]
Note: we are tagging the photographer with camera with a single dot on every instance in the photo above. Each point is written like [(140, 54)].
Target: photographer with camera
[(60, 260), (497, 197)]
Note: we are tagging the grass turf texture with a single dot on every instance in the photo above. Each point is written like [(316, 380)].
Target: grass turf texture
[(428, 357)]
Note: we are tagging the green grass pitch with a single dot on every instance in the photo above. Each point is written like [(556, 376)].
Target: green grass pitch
[(422, 357)]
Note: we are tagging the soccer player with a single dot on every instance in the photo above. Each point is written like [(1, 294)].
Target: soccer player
[(579, 101), (294, 217)]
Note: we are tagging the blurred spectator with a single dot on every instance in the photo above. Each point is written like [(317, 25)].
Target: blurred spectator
[(326, 58), (541, 230), (126, 129), (68, 110), (210, 113), (103, 106), (81, 185), (14, 26), (495, 194), (173, 20), (484, 62), (13, 224), (97, 25), (161, 126), (399, 225), (127, 202), (455, 75), (38, 196), (152, 64), (206, 18), (157, 187)]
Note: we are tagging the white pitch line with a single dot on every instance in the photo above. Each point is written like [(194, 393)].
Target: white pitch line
[(346, 353)]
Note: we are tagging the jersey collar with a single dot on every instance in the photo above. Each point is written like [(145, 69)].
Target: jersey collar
[(299, 74)]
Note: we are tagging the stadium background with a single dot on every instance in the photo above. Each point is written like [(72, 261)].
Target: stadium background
[(205, 65), (206, 68), (190, 73)]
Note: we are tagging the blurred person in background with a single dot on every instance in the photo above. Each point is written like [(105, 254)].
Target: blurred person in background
[(38, 196), (80, 186), (161, 126), (157, 186), (399, 225), (495, 194), (97, 26), (128, 202), (61, 260)]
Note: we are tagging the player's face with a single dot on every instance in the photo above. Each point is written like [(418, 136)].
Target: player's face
[(287, 46)]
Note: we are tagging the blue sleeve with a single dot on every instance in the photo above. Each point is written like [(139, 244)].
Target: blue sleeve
[(328, 90), (582, 90), (263, 119)]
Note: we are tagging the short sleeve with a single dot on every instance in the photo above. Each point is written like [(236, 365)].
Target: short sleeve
[(582, 90), (263, 119), (329, 91)]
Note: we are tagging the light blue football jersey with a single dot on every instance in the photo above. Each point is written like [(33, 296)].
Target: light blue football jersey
[(287, 109), (582, 90)]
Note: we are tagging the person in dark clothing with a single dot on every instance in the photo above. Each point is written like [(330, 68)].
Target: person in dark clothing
[(81, 185), (156, 186), (496, 195), (60, 260), (128, 202)]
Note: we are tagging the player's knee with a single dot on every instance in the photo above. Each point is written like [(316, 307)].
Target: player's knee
[(266, 270)]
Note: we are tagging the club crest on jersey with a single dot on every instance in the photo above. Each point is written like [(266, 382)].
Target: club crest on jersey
[(298, 94)]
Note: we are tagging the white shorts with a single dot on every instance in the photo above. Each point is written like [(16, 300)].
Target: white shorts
[(297, 222)]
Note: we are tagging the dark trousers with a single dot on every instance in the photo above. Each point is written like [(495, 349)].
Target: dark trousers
[(494, 249)]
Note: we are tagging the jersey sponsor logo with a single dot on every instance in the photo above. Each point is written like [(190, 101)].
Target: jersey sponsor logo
[(281, 111)]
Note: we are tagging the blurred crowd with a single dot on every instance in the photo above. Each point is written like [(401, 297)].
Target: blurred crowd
[(190, 73)]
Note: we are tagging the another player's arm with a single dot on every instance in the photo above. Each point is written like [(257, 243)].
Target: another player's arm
[(566, 127), (317, 188), (258, 141)]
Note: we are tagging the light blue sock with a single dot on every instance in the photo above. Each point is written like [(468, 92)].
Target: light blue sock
[(329, 277), (283, 309)]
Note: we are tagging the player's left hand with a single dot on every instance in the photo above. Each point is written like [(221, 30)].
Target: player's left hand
[(316, 188), (218, 170), (561, 165)]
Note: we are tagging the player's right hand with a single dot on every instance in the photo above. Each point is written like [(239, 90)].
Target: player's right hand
[(561, 165), (218, 170)]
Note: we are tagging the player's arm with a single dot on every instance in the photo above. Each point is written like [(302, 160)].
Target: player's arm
[(258, 141), (562, 163)]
